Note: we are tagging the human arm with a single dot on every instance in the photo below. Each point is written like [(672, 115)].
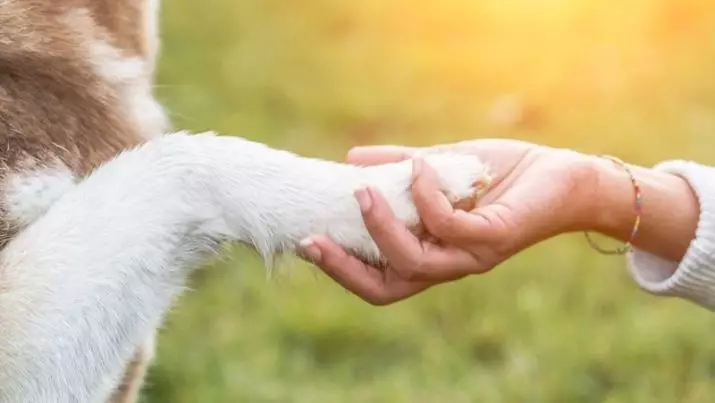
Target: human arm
[(534, 199), (675, 253)]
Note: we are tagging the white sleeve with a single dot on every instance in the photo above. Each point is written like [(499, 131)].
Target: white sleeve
[(693, 277)]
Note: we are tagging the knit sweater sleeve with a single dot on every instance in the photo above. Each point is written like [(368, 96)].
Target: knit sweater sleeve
[(693, 277)]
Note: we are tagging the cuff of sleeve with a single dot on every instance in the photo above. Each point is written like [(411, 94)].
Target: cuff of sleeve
[(693, 278)]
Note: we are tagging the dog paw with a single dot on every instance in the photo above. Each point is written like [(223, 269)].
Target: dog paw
[(462, 179)]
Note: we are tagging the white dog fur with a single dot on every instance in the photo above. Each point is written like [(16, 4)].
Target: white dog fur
[(96, 258)]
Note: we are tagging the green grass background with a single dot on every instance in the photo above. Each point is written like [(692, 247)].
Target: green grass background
[(558, 323)]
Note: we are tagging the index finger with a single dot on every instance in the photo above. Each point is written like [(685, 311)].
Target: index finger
[(407, 255), (375, 155), (369, 283)]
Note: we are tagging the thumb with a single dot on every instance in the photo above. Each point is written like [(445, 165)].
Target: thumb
[(456, 227)]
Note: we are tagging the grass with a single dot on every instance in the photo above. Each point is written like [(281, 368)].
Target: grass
[(558, 323)]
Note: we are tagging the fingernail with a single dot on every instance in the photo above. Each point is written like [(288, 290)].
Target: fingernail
[(311, 250), (364, 200), (416, 167), (353, 152)]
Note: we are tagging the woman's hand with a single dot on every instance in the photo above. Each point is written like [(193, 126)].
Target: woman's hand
[(537, 192)]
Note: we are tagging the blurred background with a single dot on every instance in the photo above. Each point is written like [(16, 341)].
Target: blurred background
[(558, 323)]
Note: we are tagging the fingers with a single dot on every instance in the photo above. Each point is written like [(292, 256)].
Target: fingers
[(408, 257), (368, 283), (397, 244), (375, 155), (413, 268)]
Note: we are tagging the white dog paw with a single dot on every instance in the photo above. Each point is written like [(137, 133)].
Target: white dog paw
[(462, 178)]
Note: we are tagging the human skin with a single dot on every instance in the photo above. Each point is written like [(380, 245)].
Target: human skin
[(537, 193)]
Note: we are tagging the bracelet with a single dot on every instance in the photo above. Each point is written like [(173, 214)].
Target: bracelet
[(638, 209)]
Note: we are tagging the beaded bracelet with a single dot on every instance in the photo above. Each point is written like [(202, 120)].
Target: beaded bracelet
[(638, 209)]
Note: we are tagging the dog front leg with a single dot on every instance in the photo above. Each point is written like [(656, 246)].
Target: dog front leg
[(88, 281)]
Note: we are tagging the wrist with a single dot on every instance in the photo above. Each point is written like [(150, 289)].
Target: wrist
[(597, 186), (614, 213)]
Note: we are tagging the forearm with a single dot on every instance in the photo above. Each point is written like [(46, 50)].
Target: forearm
[(669, 214), (674, 251)]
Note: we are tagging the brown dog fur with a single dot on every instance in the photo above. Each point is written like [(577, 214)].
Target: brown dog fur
[(54, 107)]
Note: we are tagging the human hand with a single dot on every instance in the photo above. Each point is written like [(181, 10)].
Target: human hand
[(537, 192)]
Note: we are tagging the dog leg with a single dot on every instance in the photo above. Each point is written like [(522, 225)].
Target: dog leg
[(92, 278)]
